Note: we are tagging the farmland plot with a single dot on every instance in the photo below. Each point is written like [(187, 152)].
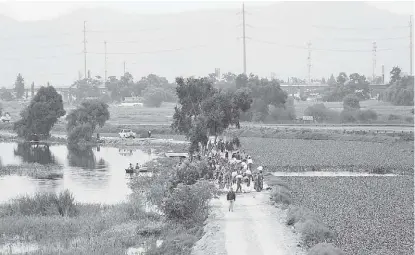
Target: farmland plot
[(370, 215), (284, 154)]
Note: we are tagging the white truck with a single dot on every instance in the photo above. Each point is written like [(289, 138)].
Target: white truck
[(5, 118), (127, 133)]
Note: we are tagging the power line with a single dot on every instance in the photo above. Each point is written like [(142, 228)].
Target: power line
[(317, 49), (149, 52), (46, 57), (358, 28)]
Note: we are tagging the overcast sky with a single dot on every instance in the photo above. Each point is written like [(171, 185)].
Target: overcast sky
[(36, 10)]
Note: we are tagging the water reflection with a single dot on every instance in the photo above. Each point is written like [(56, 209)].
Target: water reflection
[(35, 153), (81, 157), (93, 175)]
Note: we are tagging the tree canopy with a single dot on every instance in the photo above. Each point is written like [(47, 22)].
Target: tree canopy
[(204, 110), (41, 114), (19, 86), (400, 92), (84, 119)]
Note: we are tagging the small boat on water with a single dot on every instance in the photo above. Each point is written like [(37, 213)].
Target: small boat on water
[(140, 170)]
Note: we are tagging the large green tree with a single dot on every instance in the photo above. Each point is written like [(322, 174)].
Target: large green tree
[(395, 74), (84, 88), (204, 110), (400, 92), (5, 94), (84, 119), (42, 113), (19, 86)]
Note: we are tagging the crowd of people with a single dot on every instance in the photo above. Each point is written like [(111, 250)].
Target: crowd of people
[(234, 168)]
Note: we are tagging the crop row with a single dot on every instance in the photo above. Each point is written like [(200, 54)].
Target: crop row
[(281, 154), (370, 215)]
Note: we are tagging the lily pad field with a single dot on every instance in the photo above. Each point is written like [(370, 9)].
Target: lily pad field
[(369, 215), (288, 154)]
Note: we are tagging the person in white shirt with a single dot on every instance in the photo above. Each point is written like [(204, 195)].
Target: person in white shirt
[(234, 174), (250, 162), (249, 175)]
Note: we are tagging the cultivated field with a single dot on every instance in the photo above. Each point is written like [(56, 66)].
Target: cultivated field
[(383, 109), (369, 215), (119, 114), (284, 154)]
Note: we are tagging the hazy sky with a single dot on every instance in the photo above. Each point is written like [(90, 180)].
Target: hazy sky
[(38, 10)]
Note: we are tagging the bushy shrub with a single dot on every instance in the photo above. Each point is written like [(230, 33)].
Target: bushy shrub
[(188, 203), (325, 249), (43, 204), (281, 195), (348, 116), (366, 115), (409, 119), (297, 213), (154, 97), (287, 112), (80, 134), (351, 101), (393, 117), (321, 114), (313, 231), (187, 173)]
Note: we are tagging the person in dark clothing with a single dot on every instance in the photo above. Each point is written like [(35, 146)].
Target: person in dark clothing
[(149, 133), (231, 196)]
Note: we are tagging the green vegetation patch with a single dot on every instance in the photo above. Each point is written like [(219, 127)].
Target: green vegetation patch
[(281, 154), (369, 215)]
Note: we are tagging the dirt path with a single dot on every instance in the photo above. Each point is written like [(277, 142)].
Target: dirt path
[(255, 227)]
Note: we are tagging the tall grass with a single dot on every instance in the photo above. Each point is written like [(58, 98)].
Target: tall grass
[(43, 204)]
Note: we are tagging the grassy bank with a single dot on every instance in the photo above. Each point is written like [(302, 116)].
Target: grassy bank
[(86, 229), (371, 215), (55, 224)]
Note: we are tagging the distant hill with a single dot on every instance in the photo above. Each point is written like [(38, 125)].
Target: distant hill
[(197, 42)]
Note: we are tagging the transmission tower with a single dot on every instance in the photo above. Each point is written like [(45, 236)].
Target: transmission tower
[(374, 60), (85, 49), (309, 62), (243, 35), (411, 56), (105, 50)]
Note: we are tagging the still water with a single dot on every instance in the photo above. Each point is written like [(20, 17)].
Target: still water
[(93, 175)]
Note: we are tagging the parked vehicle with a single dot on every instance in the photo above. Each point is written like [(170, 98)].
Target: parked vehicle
[(127, 133), (5, 118)]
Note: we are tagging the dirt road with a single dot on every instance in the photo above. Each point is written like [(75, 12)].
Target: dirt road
[(255, 227)]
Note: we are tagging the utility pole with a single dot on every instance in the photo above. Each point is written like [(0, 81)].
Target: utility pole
[(374, 61), (85, 49), (410, 46), (124, 67), (243, 35), (309, 62), (105, 51)]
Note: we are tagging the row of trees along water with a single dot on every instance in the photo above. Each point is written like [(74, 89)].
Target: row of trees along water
[(205, 103), (46, 107), (155, 89)]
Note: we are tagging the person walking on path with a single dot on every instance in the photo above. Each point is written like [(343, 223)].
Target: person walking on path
[(239, 182), (231, 196)]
